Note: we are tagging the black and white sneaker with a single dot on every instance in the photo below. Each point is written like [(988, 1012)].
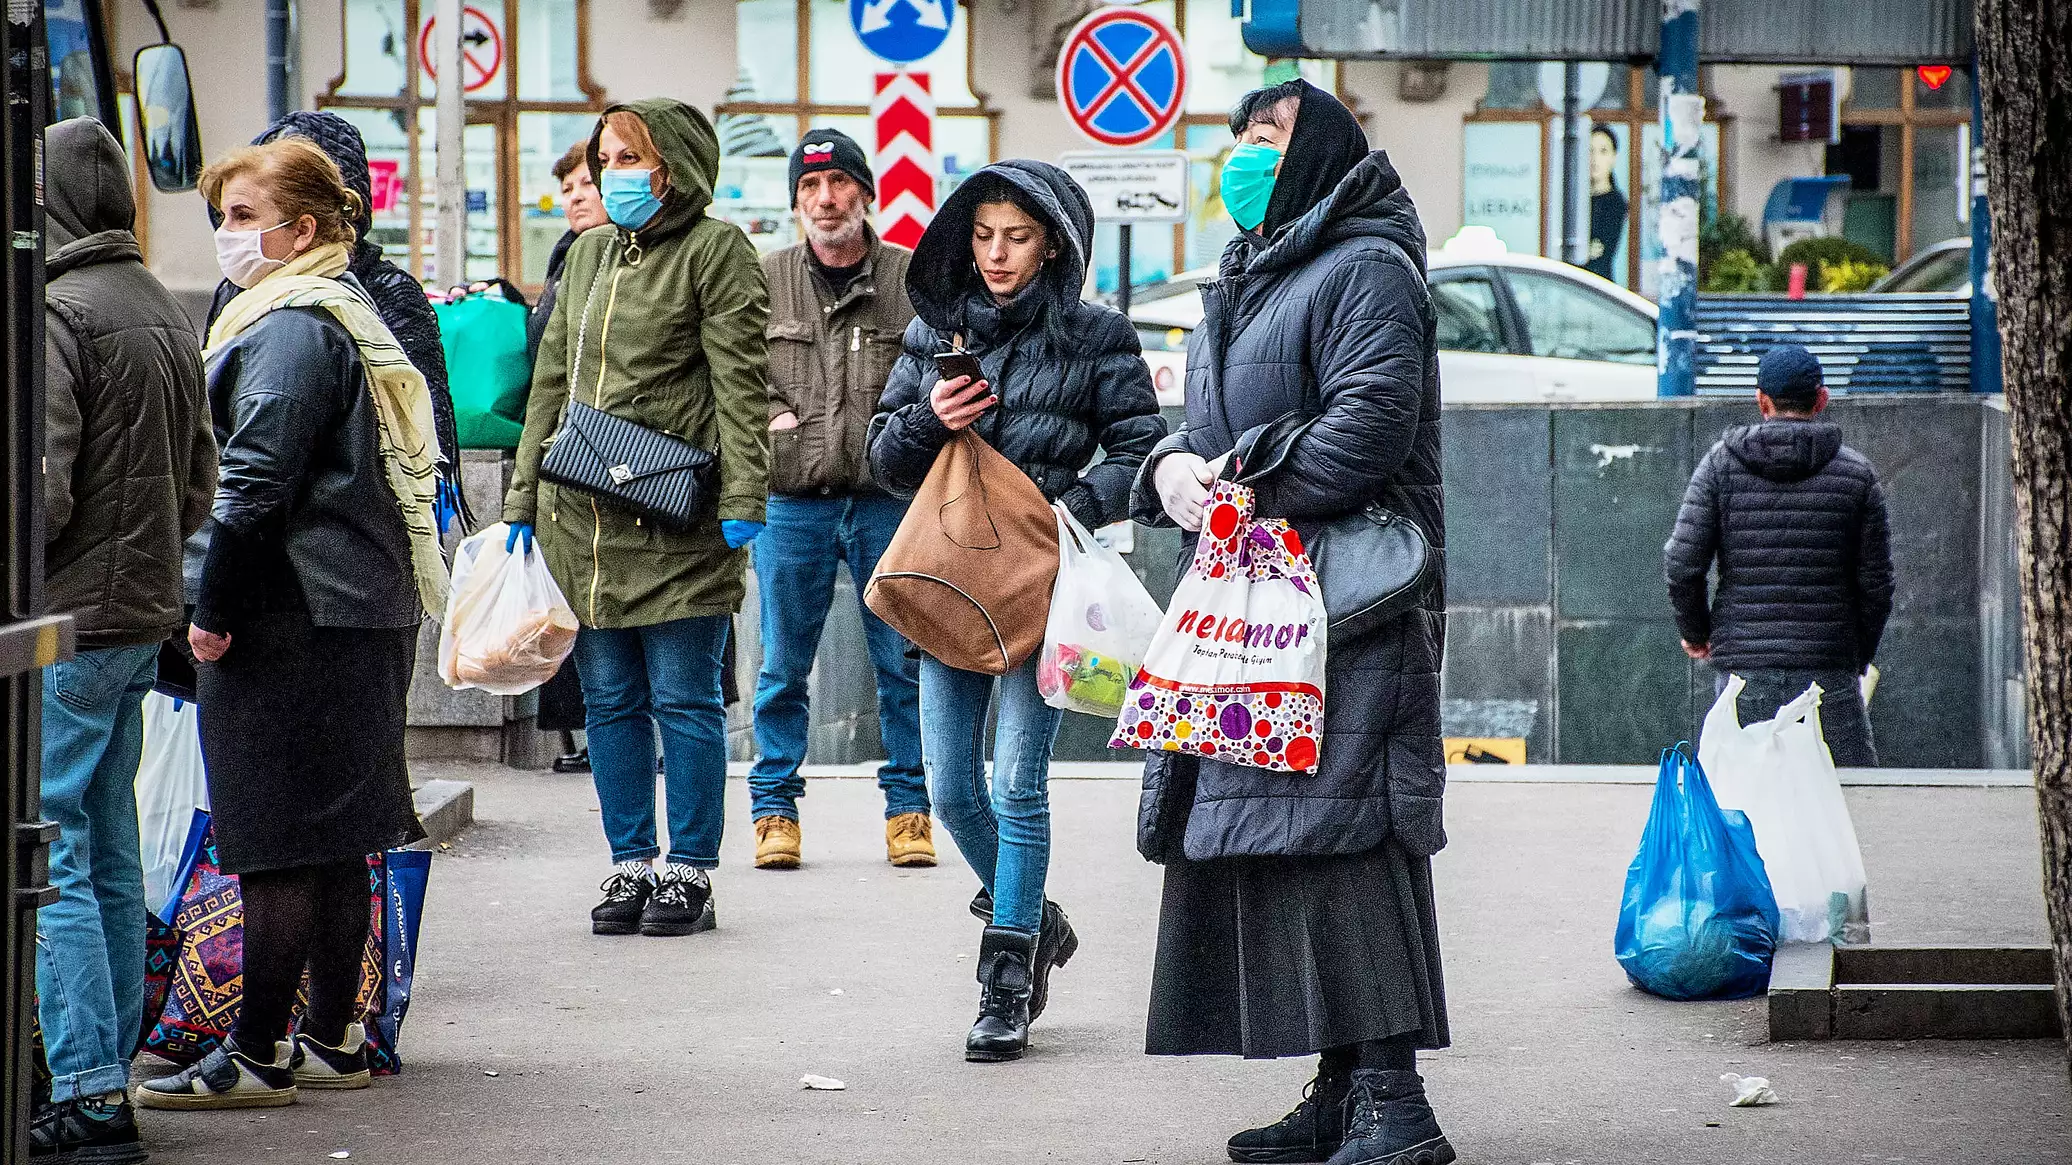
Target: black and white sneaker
[(91, 1130), (682, 904), (225, 1078), (625, 899), (318, 1065)]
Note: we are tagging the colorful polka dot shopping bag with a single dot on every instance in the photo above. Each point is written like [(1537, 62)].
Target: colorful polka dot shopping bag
[(1236, 672)]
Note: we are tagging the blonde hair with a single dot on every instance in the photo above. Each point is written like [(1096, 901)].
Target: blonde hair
[(634, 132), (302, 179)]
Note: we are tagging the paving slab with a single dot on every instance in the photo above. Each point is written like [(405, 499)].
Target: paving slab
[(530, 1040)]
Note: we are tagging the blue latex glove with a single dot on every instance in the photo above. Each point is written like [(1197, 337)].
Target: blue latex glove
[(519, 530), (739, 533), (446, 505)]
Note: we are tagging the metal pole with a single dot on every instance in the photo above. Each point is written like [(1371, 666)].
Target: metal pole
[(451, 187), (1122, 273), (279, 27), (1571, 247), (1985, 312), (1683, 121)]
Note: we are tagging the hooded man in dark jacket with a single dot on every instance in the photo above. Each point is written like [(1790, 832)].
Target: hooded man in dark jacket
[(1796, 522), (1299, 911), (129, 471), (398, 297)]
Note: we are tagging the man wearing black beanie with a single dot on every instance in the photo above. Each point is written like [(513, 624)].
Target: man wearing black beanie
[(1796, 520), (838, 308)]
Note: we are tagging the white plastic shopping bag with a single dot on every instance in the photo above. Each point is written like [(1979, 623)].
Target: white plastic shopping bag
[(171, 785), (507, 628), (1779, 773), (1101, 623), (1236, 671)]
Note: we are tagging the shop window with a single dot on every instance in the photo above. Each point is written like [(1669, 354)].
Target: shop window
[(524, 114), (1903, 147), (800, 66), (1511, 168)]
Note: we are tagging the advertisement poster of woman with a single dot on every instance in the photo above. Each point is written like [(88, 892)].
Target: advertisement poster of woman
[(1608, 206)]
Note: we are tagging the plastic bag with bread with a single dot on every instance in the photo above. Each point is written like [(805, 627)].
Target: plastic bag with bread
[(508, 628)]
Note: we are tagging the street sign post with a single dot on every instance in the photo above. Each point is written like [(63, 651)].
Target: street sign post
[(1147, 186), (902, 31), (1122, 76)]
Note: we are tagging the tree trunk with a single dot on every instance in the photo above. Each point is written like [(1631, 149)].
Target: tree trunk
[(2025, 90)]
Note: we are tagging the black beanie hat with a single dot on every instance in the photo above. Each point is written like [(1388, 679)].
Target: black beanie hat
[(831, 149)]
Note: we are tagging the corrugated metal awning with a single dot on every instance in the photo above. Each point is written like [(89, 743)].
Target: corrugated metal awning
[(1832, 32)]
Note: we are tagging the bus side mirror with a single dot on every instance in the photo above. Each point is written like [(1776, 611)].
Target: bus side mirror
[(165, 106)]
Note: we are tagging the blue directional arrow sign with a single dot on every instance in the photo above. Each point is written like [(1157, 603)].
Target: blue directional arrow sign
[(902, 31), (1122, 77)]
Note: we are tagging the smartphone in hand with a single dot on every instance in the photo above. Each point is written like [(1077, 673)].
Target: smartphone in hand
[(957, 362)]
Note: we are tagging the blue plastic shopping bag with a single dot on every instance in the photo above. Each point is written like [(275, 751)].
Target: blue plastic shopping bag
[(1698, 920)]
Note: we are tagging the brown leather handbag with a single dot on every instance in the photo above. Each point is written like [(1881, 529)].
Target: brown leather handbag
[(968, 575)]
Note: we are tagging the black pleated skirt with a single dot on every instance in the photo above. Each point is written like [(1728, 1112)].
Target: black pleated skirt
[(302, 737), (1270, 957)]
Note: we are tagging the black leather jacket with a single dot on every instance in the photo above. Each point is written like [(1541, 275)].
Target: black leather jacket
[(303, 517)]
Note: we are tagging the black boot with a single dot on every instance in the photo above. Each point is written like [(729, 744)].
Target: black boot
[(1055, 946), (1002, 1030), (1316, 1127), (1390, 1123)]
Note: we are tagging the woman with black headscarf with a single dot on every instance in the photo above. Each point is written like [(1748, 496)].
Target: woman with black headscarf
[(1298, 916)]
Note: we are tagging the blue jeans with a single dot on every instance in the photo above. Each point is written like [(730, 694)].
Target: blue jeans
[(1001, 828), (636, 679), (795, 561), (90, 943)]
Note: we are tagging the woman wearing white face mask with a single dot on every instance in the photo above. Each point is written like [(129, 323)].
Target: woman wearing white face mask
[(319, 563)]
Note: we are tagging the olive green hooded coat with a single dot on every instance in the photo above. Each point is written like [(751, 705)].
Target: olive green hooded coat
[(669, 323)]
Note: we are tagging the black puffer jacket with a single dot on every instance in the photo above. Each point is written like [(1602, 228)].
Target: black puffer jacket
[(1070, 375), (1797, 523), (1331, 318), (398, 298)]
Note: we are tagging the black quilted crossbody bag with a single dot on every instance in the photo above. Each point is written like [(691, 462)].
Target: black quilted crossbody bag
[(658, 475)]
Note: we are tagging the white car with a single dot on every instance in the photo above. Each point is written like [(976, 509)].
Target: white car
[(1512, 328)]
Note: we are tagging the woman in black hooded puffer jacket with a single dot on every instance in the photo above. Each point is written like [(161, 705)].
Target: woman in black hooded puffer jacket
[(999, 271)]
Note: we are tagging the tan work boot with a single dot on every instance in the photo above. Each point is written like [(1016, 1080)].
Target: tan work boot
[(909, 840), (776, 843)]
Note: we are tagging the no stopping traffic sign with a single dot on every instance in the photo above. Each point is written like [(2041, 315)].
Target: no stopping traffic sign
[(1122, 77)]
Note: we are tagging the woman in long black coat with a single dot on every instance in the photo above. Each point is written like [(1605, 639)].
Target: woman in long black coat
[(1298, 913)]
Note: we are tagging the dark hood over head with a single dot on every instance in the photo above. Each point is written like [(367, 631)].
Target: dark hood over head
[(341, 141), (1325, 146), (942, 274), (690, 150), (1785, 450), (86, 186)]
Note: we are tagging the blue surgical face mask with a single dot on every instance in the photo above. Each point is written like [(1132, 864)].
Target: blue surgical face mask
[(1248, 183), (629, 197)]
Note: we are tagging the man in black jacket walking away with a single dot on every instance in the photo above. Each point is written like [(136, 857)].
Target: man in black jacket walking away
[(1797, 523)]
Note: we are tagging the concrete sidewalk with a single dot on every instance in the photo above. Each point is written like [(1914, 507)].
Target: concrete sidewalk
[(639, 1050)]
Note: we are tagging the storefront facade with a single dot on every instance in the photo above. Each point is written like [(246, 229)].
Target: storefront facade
[(1475, 142)]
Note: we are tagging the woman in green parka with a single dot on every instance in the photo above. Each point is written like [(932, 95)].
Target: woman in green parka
[(659, 321)]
